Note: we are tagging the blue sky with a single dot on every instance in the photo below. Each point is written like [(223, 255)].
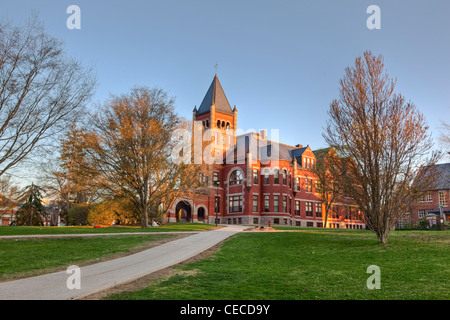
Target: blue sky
[(279, 62)]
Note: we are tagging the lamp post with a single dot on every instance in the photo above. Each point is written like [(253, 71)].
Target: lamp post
[(216, 206), (441, 217)]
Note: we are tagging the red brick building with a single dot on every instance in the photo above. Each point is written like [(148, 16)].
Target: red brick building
[(256, 181), (432, 203)]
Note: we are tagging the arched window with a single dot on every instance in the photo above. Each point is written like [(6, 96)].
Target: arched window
[(218, 124), (276, 177), (236, 177), (284, 177)]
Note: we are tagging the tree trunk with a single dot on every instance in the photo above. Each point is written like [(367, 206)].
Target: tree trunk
[(145, 216), (382, 236)]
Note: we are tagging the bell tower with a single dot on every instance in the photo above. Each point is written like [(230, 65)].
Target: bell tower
[(215, 113)]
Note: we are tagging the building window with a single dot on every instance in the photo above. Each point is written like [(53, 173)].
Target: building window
[(266, 179), (203, 178), (235, 204), (284, 203), (443, 198), (360, 215), (266, 203), (284, 177), (276, 221), (421, 214), (297, 207), (428, 197), (333, 211), (317, 186), (297, 184), (216, 178), (255, 176), (308, 209), (276, 177), (318, 210), (309, 224), (255, 220), (255, 203), (308, 185), (236, 177), (217, 204), (275, 203), (347, 214)]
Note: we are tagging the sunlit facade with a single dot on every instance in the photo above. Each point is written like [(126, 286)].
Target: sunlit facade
[(257, 181)]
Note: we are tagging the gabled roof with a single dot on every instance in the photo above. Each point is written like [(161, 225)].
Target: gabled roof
[(443, 176), (215, 96), (321, 153)]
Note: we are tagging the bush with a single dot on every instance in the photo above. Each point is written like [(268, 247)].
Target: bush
[(423, 224), (78, 215), (118, 211)]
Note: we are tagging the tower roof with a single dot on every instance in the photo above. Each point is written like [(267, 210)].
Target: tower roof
[(215, 96)]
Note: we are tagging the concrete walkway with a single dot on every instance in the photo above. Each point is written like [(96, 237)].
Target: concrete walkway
[(105, 275)]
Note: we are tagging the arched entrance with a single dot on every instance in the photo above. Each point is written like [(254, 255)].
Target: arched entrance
[(201, 214), (183, 211)]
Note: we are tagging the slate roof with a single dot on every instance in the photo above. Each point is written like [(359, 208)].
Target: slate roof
[(443, 176), (321, 153), (286, 152), (215, 95)]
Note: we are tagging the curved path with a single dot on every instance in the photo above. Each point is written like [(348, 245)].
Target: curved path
[(105, 275)]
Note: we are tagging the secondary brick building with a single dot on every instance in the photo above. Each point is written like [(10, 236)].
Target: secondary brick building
[(257, 181), (432, 203)]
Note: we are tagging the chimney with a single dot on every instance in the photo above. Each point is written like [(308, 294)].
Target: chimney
[(263, 134), (298, 146)]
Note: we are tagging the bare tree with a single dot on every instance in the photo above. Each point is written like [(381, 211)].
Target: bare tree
[(381, 141), (41, 90), (130, 145), (445, 137)]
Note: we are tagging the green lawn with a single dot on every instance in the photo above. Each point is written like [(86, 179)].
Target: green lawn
[(26, 257), (313, 264), (20, 230)]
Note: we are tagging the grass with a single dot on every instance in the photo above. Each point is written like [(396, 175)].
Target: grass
[(313, 264), (27, 257), (180, 227)]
